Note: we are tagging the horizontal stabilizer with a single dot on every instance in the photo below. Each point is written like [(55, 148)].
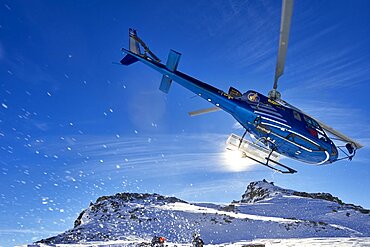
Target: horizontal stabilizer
[(165, 84), (172, 63), (173, 60), (129, 59)]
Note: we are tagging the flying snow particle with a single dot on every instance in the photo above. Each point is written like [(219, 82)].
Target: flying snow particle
[(7, 6), (118, 166), (111, 110), (69, 148), (135, 131), (149, 140), (124, 86), (10, 73), (61, 210), (104, 146), (117, 135), (101, 161), (71, 124), (70, 55), (49, 94), (66, 76), (4, 105)]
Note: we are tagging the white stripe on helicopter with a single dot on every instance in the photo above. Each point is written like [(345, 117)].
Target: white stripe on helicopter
[(291, 131), (277, 119), (302, 147), (327, 158), (275, 126), (267, 111), (274, 121)]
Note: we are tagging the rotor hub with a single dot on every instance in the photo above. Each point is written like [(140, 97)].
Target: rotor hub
[(274, 94)]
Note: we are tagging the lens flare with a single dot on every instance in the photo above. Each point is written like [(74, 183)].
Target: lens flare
[(234, 161)]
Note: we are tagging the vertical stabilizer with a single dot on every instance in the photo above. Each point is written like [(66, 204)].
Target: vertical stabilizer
[(134, 44)]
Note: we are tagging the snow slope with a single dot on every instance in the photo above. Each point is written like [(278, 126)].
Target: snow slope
[(265, 211)]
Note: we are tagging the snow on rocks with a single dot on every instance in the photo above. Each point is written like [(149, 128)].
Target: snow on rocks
[(265, 211)]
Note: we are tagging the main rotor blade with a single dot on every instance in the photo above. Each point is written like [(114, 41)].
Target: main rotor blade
[(286, 15), (326, 127), (204, 111)]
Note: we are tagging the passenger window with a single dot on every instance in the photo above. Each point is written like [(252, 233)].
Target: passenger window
[(297, 116)]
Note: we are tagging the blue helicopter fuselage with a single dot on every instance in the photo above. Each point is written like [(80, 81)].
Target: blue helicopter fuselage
[(283, 129)]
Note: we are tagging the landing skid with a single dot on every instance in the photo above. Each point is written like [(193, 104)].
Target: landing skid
[(262, 155), (287, 170)]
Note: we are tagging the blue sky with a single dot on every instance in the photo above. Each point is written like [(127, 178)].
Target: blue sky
[(74, 126)]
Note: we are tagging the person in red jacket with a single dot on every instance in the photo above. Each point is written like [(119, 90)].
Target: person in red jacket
[(158, 241)]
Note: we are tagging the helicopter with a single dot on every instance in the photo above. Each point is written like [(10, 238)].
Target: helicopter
[(276, 128)]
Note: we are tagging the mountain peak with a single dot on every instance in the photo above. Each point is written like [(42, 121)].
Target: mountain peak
[(260, 190), (113, 203)]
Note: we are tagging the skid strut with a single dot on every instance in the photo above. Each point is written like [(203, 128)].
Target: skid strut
[(278, 164)]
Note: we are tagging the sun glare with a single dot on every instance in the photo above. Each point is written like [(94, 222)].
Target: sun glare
[(234, 161)]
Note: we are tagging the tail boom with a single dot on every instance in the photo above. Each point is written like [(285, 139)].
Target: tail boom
[(170, 72)]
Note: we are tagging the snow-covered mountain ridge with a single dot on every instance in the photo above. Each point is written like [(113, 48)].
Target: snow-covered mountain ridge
[(260, 190), (264, 211), (112, 204)]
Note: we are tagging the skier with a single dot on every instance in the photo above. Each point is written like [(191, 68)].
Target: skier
[(197, 241), (158, 241)]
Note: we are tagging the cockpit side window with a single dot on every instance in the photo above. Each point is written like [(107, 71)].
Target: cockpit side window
[(311, 123), (297, 116), (314, 128)]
